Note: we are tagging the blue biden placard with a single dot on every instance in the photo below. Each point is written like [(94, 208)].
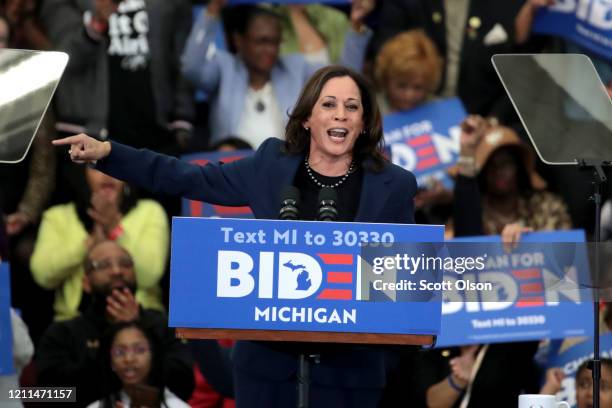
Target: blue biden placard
[(6, 334), (586, 22), (289, 275), (540, 290), (425, 140)]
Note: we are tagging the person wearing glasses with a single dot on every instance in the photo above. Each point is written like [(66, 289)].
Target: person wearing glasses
[(103, 208), (134, 367), (251, 91), (69, 351)]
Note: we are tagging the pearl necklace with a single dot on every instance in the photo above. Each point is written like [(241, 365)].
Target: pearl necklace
[(337, 184)]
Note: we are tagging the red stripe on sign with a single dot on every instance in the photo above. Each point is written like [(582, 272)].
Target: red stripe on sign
[(426, 163), (199, 162), (336, 294), (223, 210), (230, 159), (532, 288), (530, 301), (339, 277), (526, 273), (426, 151), (195, 208), (336, 259), (420, 140)]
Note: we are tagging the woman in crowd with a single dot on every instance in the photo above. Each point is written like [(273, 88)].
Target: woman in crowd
[(333, 139), (408, 70), (135, 368), (106, 208), (252, 91), (498, 190)]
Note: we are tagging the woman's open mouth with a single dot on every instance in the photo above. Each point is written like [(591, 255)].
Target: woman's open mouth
[(337, 135)]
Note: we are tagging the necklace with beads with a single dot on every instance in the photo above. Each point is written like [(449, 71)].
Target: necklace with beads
[(322, 185)]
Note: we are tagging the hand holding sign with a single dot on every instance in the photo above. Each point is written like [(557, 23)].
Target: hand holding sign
[(554, 377), (461, 367), (511, 235)]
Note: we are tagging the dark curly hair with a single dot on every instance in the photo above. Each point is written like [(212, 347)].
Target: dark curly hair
[(368, 145)]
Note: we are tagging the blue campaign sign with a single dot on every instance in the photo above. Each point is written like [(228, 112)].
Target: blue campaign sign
[(191, 208), (570, 359), (538, 291), (284, 275), (586, 23), (425, 140), (6, 333)]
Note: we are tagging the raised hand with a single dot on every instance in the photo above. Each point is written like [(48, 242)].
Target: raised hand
[(104, 212), (473, 128), (511, 235), (84, 149), (213, 8), (97, 235), (359, 11), (554, 377)]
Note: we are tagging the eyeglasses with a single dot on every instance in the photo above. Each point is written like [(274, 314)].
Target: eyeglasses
[(123, 351), (106, 264)]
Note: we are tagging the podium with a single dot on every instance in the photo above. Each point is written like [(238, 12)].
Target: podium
[(295, 281), (300, 281)]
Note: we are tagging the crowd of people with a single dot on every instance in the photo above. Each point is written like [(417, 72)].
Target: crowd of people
[(149, 80)]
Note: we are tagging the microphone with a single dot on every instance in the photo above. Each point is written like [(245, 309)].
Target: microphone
[(290, 203), (327, 205)]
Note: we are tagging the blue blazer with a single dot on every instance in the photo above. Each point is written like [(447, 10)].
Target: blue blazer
[(257, 181)]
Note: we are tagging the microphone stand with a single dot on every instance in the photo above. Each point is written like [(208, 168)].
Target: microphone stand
[(599, 178), (303, 381), (327, 212)]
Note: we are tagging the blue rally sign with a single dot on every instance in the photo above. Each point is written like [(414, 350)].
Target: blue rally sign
[(425, 140), (192, 208), (283, 275), (538, 291), (6, 333), (571, 358), (585, 22)]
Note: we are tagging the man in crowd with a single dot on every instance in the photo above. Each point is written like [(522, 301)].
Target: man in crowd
[(68, 354)]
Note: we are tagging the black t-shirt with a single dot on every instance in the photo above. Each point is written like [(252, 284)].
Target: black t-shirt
[(349, 193), (132, 111)]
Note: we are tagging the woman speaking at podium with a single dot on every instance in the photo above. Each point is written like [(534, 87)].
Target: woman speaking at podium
[(333, 139)]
